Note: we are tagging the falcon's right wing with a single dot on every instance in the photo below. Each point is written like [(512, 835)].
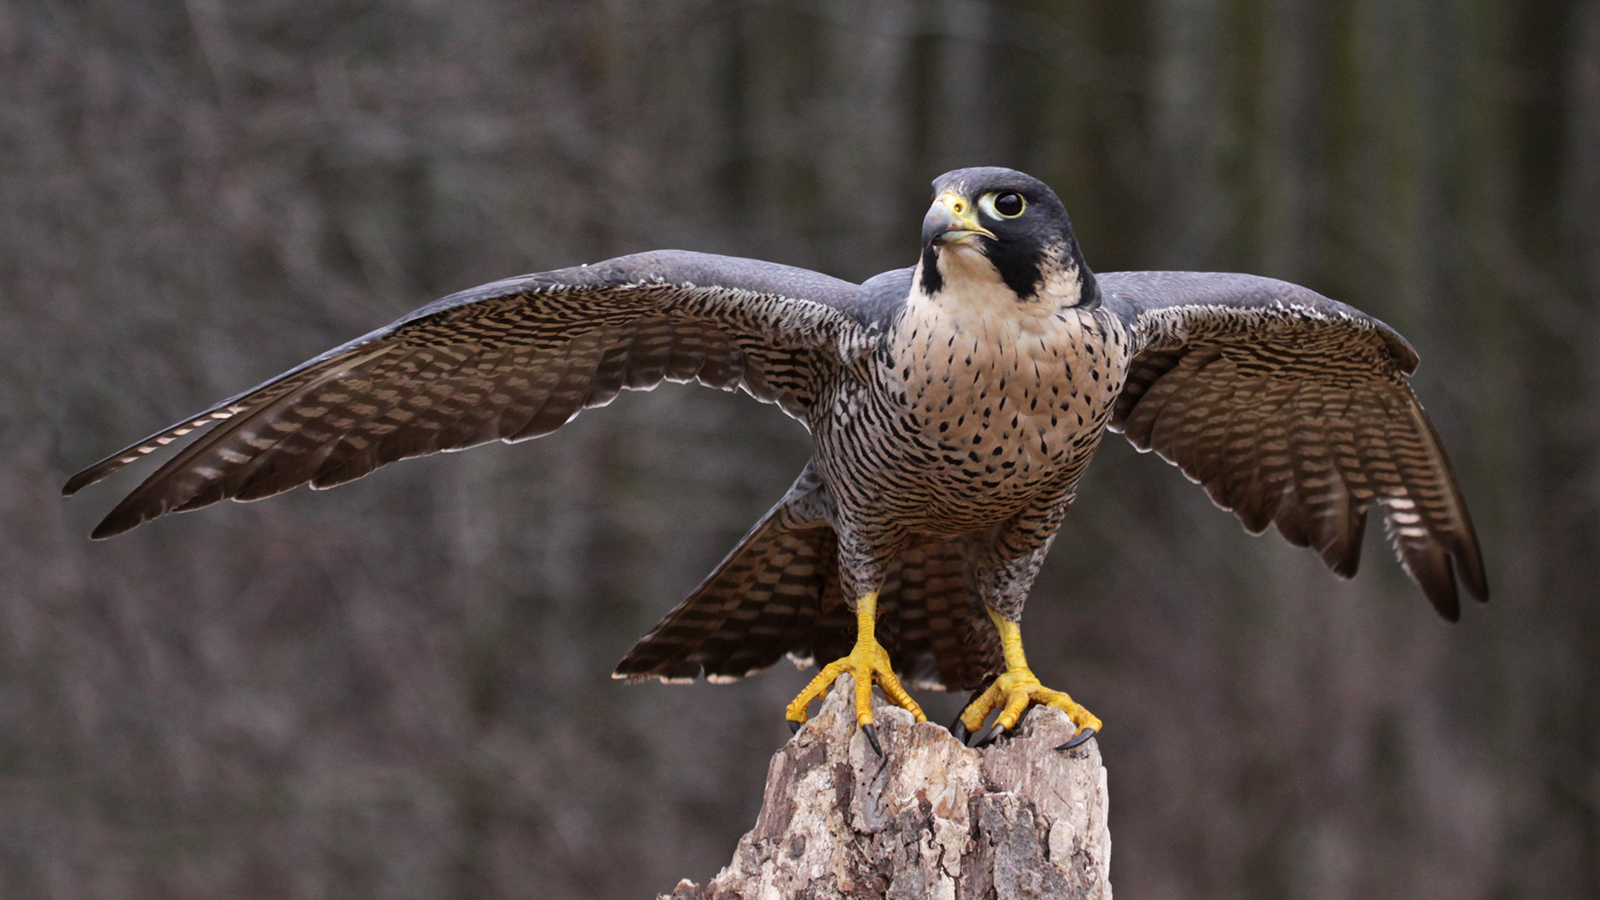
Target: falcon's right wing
[(1293, 409), (508, 361)]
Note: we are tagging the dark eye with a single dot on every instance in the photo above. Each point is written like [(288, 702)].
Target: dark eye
[(1009, 204)]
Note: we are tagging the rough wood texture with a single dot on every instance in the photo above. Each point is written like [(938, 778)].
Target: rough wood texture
[(932, 819)]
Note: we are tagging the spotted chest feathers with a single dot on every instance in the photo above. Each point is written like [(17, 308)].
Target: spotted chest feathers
[(1010, 397)]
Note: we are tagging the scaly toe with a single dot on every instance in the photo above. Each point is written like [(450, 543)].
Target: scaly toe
[(1015, 693), (867, 665)]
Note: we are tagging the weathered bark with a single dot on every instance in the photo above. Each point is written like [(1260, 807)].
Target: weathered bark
[(931, 819)]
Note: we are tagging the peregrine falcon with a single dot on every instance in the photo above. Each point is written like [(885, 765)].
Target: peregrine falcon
[(953, 405)]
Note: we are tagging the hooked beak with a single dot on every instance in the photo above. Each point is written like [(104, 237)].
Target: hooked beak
[(953, 219)]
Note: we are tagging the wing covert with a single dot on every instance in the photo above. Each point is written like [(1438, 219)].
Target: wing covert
[(508, 361), (1293, 409)]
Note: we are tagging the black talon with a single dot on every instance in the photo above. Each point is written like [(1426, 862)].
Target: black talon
[(872, 738), (990, 735), (1077, 739), (959, 729), (794, 727)]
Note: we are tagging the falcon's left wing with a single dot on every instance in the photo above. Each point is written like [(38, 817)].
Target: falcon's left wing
[(1291, 408), (507, 361)]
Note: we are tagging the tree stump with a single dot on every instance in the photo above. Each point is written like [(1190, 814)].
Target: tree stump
[(930, 819)]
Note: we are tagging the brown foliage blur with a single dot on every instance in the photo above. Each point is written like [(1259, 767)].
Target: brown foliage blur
[(399, 688)]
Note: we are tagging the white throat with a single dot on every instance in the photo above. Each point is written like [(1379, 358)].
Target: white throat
[(974, 296)]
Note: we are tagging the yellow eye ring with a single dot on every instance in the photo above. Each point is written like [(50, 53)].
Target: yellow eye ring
[(1003, 204)]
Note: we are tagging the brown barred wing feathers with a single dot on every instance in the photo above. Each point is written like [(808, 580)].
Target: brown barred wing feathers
[(1293, 409), (508, 361)]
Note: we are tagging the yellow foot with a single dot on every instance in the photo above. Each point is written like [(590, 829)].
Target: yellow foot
[(866, 663), (1011, 693)]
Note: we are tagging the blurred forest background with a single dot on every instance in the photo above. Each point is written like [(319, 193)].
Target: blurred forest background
[(399, 689)]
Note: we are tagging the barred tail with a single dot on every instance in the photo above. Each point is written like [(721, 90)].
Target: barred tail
[(778, 594), (932, 622)]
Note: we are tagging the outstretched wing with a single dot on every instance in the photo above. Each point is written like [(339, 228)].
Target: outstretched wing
[(1293, 409), (508, 361)]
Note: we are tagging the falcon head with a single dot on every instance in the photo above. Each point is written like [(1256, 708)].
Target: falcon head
[(991, 224)]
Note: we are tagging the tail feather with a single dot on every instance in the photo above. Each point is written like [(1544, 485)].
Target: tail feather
[(933, 623), (778, 593)]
